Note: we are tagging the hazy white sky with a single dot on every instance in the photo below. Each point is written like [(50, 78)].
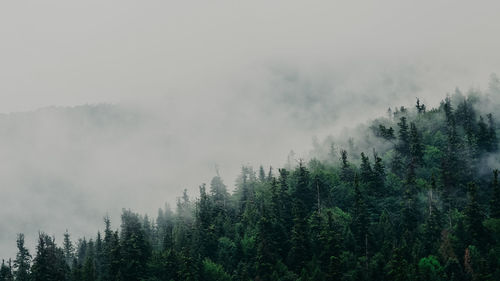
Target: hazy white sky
[(215, 83), (68, 52)]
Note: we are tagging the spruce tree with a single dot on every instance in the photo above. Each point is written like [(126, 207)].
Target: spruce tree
[(404, 137), (474, 218), (6, 272), (346, 173), (135, 249), (493, 140), (416, 147), (22, 261), (360, 221), (495, 200), (68, 249), (49, 263)]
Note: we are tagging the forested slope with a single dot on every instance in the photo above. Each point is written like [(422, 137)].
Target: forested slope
[(421, 203)]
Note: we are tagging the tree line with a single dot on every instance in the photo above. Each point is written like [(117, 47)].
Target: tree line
[(423, 207)]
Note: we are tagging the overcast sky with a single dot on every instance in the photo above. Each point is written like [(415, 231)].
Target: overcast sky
[(214, 84)]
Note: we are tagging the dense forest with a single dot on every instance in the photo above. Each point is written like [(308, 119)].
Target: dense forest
[(421, 203)]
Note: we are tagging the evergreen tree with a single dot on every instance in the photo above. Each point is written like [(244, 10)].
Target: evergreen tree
[(416, 147), (378, 176), (474, 218), (404, 137), (346, 170), (492, 134), (495, 200), (360, 221), (6, 272), (135, 249), (409, 212), (266, 247), (219, 194), (299, 251), (366, 172), (450, 166), (22, 262), (207, 241), (49, 263), (68, 249), (420, 107)]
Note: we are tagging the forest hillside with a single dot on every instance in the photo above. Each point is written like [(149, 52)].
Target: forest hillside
[(415, 196)]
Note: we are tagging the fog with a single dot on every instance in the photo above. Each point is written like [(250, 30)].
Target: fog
[(123, 104)]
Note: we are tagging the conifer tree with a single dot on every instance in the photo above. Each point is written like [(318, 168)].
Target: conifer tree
[(495, 200), (378, 175), (49, 263), (6, 272), (493, 140), (135, 249), (22, 262), (404, 137), (68, 249), (416, 147), (474, 218), (346, 171), (366, 172), (299, 252), (266, 247), (360, 220)]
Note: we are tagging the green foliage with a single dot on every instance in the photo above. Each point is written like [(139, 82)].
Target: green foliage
[(408, 213), (429, 269), (214, 272)]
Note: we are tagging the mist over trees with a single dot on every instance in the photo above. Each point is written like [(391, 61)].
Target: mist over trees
[(414, 196)]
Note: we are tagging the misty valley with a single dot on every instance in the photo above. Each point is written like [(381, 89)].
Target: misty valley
[(413, 195)]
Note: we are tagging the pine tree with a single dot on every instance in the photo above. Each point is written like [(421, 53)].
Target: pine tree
[(49, 263), (22, 261), (483, 136), (219, 194), (404, 137), (450, 166), (420, 107), (262, 174), (495, 200), (266, 247), (397, 268), (474, 218), (360, 221), (366, 172), (68, 249), (432, 226), (299, 240), (88, 269), (135, 249), (416, 147), (493, 140), (409, 212), (299, 252), (302, 191), (207, 240), (346, 173), (6, 272), (378, 175)]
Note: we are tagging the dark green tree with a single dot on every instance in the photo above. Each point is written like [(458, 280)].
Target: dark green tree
[(49, 263), (495, 199), (6, 272), (416, 146), (22, 263), (474, 218), (403, 137), (135, 249), (347, 174), (360, 221)]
